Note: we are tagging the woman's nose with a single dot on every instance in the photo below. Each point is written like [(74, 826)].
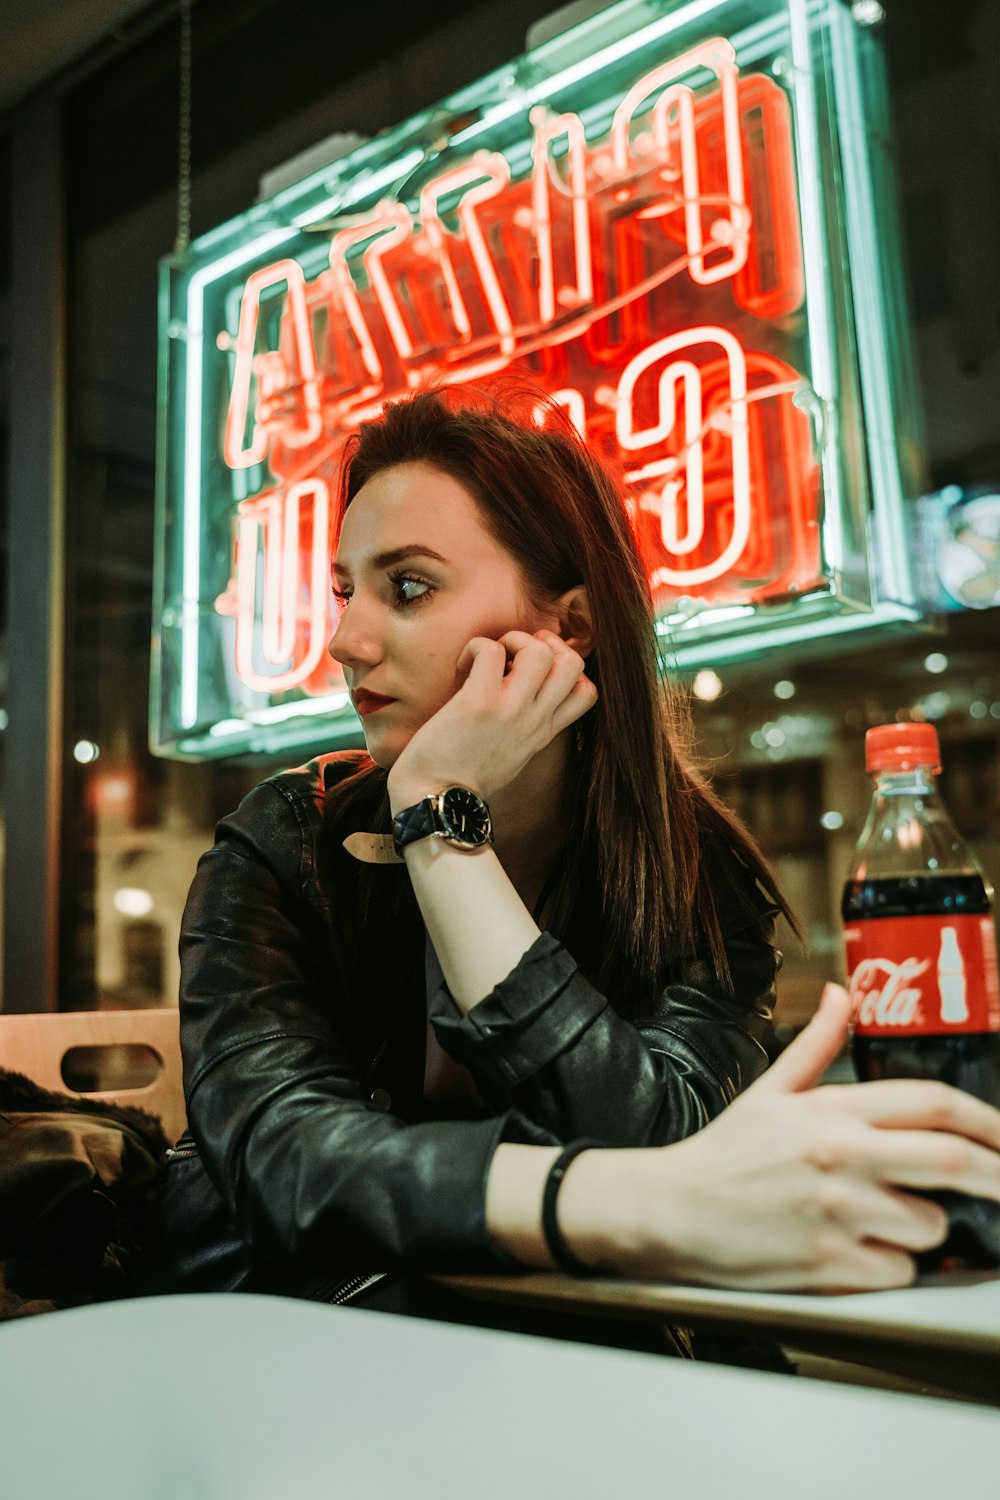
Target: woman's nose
[(353, 643)]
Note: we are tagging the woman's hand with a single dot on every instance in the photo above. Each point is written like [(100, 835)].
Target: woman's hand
[(519, 693), (803, 1188)]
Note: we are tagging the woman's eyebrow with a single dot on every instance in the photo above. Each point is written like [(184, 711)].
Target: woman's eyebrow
[(400, 554), (396, 555)]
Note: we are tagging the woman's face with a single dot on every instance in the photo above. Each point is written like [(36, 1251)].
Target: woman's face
[(416, 576)]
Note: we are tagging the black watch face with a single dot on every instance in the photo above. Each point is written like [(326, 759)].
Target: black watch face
[(465, 816)]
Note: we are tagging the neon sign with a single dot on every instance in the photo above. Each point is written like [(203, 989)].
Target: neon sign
[(632, 235)]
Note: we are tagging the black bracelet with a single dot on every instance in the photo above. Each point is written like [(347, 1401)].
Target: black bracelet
[(558, 1248)]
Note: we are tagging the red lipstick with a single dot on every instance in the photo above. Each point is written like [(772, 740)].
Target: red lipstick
[(369, 703)]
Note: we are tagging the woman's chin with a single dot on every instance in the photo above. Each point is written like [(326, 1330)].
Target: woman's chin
[(384, 749)]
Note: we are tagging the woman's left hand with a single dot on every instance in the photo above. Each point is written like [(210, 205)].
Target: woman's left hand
[(519, 693)]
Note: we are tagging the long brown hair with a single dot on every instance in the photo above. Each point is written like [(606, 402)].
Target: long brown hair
[(641, 806)]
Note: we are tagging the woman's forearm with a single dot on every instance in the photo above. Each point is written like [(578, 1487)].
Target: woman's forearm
[(477, 922), (598, 1210), (514, 1201)]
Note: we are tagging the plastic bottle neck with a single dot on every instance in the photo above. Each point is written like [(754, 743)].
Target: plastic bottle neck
[(920, 781), (908, 830)]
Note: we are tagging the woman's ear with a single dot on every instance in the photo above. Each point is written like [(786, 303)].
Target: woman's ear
[(575, 625)]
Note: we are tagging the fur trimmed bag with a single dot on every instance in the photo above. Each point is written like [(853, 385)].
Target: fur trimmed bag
[(77, 1177)]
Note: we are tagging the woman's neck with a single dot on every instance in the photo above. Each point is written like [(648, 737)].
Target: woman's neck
[(529, 819)]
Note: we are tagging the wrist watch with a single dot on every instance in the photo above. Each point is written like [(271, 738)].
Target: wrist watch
[(457, 814)]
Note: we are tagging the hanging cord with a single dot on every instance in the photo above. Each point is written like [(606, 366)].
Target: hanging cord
[(184, 131)]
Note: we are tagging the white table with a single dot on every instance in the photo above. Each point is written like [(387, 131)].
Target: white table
[(254, 1398), (945, 1330)]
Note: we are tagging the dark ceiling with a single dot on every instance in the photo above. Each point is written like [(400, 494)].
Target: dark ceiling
[(42, 37)]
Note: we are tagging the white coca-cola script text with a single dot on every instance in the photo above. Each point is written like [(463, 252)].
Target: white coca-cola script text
[(883, 993)]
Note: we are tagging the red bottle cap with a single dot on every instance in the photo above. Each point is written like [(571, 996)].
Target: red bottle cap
[(902, 747)]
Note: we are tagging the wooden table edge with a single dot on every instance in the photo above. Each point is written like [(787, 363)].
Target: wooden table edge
[(611, 1298)]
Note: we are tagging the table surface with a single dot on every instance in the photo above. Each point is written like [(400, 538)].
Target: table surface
[(257, 1398)]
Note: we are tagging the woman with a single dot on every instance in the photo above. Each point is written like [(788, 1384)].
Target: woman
[(408, 1023)]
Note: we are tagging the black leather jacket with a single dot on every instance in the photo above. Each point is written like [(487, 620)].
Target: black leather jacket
[(303, 1026)]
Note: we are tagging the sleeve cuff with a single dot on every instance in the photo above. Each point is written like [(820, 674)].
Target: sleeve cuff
[(532, 1016)]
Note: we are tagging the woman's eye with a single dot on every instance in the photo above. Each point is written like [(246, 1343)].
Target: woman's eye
[(410, 590), (341, 599)]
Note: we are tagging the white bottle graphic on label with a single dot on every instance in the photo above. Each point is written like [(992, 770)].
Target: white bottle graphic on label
[(951, 979)]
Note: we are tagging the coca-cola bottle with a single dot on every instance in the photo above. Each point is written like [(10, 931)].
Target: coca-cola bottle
[(922, 955)]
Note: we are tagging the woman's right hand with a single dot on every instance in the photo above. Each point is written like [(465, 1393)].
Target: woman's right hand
[(519, 692), (799, 1188)]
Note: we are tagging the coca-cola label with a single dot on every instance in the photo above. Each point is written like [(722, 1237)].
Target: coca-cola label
[(923, 976)]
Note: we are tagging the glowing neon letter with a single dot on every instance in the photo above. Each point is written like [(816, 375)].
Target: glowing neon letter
[(687, 375), (548, 130), (394, 224), (720, 58), (494, 167), (347, 293), (273, 371), (279, 517)]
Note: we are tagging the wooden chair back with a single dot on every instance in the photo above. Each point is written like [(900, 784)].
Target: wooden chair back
[(36, 1045)]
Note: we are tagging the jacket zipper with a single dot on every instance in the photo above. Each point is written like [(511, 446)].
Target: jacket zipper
[(184, 1148), (336, 1293)]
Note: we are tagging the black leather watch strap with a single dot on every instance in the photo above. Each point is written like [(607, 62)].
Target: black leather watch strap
[(416, 822)]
